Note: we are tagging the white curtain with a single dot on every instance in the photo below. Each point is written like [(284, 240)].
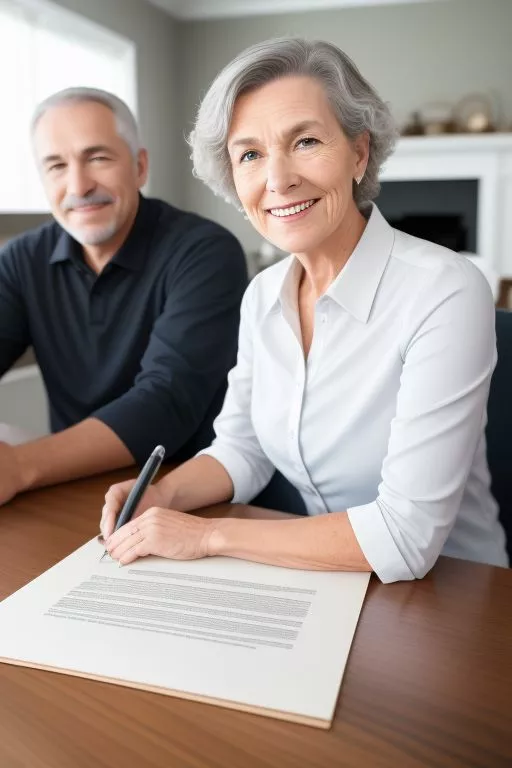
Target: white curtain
[(43, 49)]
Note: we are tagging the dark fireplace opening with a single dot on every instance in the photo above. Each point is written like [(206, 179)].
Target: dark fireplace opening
[(443, 211)]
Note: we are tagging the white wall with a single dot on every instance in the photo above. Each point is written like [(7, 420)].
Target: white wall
[(412, 54), (23, 400)]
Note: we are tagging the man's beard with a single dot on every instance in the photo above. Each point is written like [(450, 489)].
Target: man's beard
[(93, 236), (96, 235)]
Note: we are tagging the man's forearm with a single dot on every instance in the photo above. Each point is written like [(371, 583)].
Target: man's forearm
[(87, 448)]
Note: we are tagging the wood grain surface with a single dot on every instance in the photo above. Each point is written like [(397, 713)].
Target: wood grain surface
[(428, 682)]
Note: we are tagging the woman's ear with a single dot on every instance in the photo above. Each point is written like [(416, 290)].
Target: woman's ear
[(362, 153)]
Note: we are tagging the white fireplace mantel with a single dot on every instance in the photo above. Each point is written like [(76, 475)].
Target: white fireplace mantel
[(485, 157)]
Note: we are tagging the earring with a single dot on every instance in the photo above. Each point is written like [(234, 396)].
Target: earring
[(359, 179)]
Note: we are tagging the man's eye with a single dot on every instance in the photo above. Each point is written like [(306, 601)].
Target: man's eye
[(56, 167), (251, 154), (99, 158), (307, 141)]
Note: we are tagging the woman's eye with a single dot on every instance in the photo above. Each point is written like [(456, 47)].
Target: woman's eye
[(307, 141), (251, 154)]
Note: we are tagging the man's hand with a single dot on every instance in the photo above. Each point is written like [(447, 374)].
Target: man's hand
[(11, 481), (163, 532)]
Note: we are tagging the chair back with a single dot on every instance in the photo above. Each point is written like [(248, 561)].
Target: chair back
[(499, 424), (280, 494)]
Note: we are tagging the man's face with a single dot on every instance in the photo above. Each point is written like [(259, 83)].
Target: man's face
[(89, 174)]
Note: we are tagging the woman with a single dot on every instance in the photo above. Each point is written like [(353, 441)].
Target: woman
[(364, 358)]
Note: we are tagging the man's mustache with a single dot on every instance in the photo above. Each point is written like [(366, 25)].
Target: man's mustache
[(72, 202)]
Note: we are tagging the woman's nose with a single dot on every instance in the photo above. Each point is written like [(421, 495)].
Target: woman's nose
[(281, 175)]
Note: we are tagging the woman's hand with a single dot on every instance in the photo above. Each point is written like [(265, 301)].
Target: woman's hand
[(163, 532), (115, 499)]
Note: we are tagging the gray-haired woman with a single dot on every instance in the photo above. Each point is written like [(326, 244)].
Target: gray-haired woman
[(364, 358)]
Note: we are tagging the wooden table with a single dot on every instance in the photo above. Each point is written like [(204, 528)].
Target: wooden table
[(428, 683)]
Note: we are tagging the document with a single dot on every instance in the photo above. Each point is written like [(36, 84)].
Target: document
[(260, 638)]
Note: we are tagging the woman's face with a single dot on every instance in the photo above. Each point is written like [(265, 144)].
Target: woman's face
[(293, 167)]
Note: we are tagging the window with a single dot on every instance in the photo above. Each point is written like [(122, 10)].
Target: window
[(43, 49)]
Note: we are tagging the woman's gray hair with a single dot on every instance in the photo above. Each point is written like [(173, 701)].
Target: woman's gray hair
[(355, 103), (126, 124)]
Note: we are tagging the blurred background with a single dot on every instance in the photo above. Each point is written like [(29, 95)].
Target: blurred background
[(443, 65)]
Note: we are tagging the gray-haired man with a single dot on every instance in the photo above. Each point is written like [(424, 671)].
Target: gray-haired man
[(131, 305)]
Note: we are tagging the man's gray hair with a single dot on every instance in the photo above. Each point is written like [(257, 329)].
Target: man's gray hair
[(355, 103), (126, 124)]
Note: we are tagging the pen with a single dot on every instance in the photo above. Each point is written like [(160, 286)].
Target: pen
[(144, 479)]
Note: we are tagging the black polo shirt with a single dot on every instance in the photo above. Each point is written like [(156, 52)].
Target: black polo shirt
[(146, 345)]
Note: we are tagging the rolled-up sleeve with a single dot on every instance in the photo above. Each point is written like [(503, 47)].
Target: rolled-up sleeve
[(190, 350), (236, 445), (449, 353)]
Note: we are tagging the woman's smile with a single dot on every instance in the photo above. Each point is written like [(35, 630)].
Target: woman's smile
[(293, 211)]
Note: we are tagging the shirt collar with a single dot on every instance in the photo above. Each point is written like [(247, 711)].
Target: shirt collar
[(67, 249), (356, 286), (132, 253)]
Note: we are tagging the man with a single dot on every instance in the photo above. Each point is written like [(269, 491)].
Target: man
[(131, 305)]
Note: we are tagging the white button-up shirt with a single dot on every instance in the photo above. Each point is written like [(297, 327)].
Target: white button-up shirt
[(385, 419)]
